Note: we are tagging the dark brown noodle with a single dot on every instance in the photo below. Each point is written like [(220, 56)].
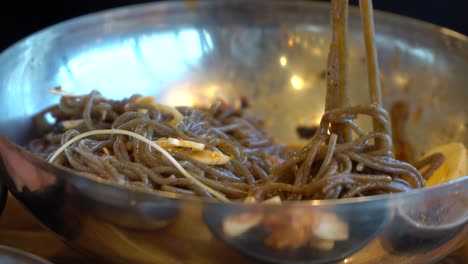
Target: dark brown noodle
[(340, 160), (322, 169)]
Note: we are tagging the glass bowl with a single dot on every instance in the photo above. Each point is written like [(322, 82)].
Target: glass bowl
[(273, 53), (9, 255)]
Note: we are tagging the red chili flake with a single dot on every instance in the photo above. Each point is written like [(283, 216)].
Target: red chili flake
[(244, 102), (273, 160), (102, 175)]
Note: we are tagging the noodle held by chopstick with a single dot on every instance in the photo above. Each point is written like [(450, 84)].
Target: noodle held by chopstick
[(367, 18), (337, 92), (310, 163)]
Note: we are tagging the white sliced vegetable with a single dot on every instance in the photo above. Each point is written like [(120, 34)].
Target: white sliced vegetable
[(236, 225), (103, 114), (205, 156), (174, 162), (106, 151), (69, 124), (330, 227), (273, 200), (250, 199), (210, 157), (173, 142)]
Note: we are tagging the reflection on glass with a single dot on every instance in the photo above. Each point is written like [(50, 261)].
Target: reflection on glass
[(283, 61), (135, 65), (419, 52), (297, 82), (400, 80), (316, 51)]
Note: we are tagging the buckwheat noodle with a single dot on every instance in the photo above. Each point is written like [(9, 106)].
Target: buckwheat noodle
[(223, 153)]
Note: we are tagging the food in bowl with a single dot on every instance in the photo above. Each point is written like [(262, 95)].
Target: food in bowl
[(221, 153), (224, 153)]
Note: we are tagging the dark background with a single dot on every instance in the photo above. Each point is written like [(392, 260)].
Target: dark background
[(20, 18)]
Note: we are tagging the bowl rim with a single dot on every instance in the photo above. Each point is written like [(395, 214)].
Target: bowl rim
[(112, 14), (421, 226), (19, 254)]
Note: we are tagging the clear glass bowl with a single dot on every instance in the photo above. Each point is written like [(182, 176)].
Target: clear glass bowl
[(9, 255), (274, 53)]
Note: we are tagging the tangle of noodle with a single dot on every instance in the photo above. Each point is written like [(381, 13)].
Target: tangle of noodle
[(322, 169), (340, 160)]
